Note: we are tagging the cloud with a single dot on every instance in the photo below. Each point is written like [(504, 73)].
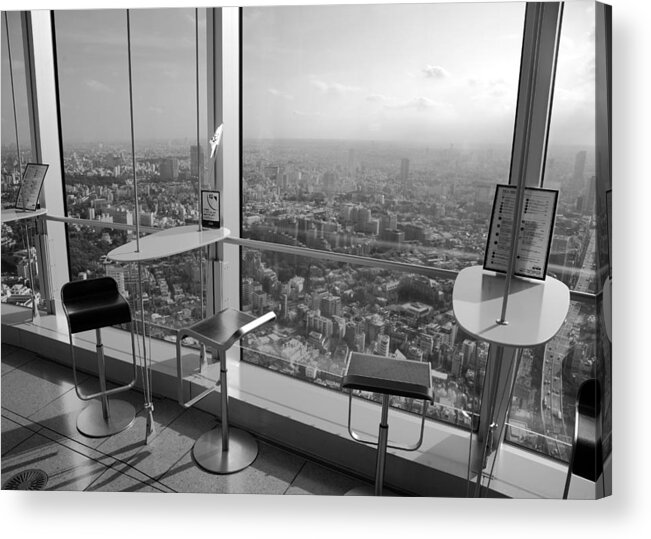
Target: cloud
[(155, 110), (435, 72), (98, 86), (278, 93), (333, 88), (418, 103), (377, 98)]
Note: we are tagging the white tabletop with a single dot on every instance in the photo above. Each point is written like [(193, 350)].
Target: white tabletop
[(168, 242), (12, 214), (535, 309), (607, 307)]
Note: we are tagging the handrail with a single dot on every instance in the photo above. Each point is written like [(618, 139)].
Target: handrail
[(390, 265)]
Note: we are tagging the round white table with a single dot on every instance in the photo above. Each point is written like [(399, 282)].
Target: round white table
[(168, 242)]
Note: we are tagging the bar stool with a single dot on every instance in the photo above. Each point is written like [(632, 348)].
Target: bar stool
[(387, 376), (222, 450), (94, 304), (586, 460)]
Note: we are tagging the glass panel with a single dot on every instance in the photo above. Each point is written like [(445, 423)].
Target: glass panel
[(542, 414), (167, 48), (20, 279), (543, 405), (327, 309), (378, 130)]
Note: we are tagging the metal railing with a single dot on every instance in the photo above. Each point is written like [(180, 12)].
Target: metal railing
[(390, 265)]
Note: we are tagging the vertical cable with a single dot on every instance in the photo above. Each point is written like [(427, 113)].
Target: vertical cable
[(146, 382), (13, 95), (133, 141), (199, 160)]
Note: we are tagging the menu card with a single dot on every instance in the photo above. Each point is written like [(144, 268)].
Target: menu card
[(30, 187), (210, 209), (535, 234)]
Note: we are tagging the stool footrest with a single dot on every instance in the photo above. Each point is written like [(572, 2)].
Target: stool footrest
[(200, 396)]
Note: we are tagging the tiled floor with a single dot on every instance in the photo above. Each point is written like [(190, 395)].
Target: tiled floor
[(39, 411)]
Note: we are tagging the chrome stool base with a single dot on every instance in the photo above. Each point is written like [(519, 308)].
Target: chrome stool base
[(91, 421), (208, 453)]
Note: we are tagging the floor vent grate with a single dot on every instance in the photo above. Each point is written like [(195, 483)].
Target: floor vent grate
[(27, 480)]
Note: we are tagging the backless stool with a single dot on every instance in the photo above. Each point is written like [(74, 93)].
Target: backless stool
[(222, 450), (94, 304), (586, 460), (387, 376)]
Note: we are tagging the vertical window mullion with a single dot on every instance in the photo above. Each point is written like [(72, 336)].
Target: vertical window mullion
[(540, 48), (46, 140)]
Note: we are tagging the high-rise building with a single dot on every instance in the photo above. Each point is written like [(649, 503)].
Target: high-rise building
[(579, 166), (404, 170), (196, 160), (169, 169), (383, 345), (589, 199)]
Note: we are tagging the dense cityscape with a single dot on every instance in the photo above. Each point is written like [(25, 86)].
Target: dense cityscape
[(418, 205)]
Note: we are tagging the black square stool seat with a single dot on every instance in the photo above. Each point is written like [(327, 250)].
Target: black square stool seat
[(399, 377), (93, 304), (220, 331), (389, 377), (222, 450)]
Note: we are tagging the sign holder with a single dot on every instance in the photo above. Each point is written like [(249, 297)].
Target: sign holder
[(30, 186)]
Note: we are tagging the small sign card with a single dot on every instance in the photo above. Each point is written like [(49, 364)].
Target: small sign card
[(535, 235), (210, 209), (30, 186)]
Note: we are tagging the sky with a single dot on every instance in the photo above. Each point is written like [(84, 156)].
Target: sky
[(93, 73), (439, 73)]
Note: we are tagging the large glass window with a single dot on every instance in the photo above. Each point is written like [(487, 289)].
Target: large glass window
[(105, 182), (379, 131), (543, 407), (20, 279)]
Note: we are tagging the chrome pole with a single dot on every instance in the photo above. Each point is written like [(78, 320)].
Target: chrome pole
[(224, 399), (101, 372), (383, 438)]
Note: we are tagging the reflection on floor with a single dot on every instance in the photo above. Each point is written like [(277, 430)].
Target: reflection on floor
[(39, 411)]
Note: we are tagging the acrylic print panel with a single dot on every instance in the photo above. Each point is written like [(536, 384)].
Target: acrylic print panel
[(372, 138)]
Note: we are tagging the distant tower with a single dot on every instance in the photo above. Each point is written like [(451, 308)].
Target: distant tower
[(404, 170), (383, 345), (590, 196), (196, 160), (579, 166), (169, 169)]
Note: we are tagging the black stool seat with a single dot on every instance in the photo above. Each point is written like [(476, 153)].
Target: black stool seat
[(398, 377), (222, 450), (387, 376), (221, 330), (93, 304)]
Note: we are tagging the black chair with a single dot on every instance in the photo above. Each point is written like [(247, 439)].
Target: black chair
[(222, 450), (386, 376), (586, 460), (94, 304)]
